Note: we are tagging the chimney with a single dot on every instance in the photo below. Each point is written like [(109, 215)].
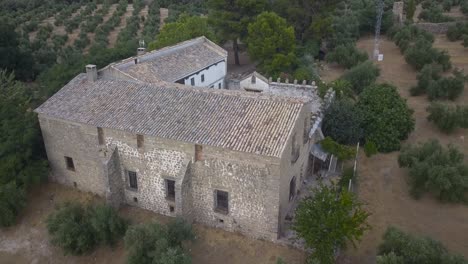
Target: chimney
[(141, 51), (91, 72)]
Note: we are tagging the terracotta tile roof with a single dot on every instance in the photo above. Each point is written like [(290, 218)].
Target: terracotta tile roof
[(173, 63), (234, 120)]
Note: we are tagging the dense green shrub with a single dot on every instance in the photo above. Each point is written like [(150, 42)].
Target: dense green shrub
[(347, 56), (434, 14), (346, 176), (70, 229), (370, 148), (447, 118), (108, 226), (401, 248), (436, 170), (362, 76), (386, 118), (428, 74), (12, 201), (342, 152), (422, 53), (154, 243), (342, 122), (446, 88), (78, 229)]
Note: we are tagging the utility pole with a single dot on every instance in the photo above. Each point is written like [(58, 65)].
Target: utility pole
[(378, 25)]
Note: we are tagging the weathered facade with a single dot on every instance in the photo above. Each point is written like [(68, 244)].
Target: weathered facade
[(228, 159)]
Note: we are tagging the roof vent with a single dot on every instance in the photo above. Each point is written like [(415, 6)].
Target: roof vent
[(141, 51), (91, 72)]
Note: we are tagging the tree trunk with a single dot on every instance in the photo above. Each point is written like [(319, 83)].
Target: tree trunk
[(235, 47)]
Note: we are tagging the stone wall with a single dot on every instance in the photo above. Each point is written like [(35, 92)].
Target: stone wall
[(254, 182), (435, 28), (80, 143)]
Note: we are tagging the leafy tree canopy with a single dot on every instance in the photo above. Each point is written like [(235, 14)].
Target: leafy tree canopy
[(185, 28), (154, 243), (342, 122), (436, 170), (386, 117), (401, 248), (271, 42), (329, 220)]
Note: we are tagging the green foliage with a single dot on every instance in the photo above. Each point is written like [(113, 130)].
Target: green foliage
[(386, 117), (410, 9), (434, 14), (346, 176), (428, 74), (108, 226), (153, 243), (271, 42), (347, 56), (342, 122), (342, 89), (370, 148), (231, 18), (79, 229), (185, 28), (362, 76), (422, 53), (342, 152), (329, 220), (70, 229), (446, 88), (447, 118), (12, 201), (401, 248), (436, 170)]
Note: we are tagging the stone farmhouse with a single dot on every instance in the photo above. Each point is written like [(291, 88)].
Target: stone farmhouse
[(149, 132)]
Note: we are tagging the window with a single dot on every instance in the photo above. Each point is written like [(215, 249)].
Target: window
[(202, 77), (140, 141), (254, 79), (170, 190), (222, 202), (132, 180), (219, 85), (306, 129), (69, 163), (100, 135), (192, 81), (294, 150), (198, 152), (292, 188)]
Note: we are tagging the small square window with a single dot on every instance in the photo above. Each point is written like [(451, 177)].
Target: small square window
[(170, 190), (192, 81), (140, 141), (135, 199), (171, 209), (100, 136), (222, 201), (219, 85), (132, 180), (69, 163), (202, 77)]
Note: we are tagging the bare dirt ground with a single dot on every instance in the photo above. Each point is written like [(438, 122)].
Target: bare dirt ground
[(123, 23), (382, 184), (28, 241)]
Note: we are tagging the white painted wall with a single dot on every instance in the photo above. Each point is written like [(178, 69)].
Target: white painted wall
[(259, 84), (214, 76)]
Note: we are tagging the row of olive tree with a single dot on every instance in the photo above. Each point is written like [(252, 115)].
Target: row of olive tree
[(79, 229)]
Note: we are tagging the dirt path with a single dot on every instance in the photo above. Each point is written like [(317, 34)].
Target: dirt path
[(28, 241), (382, 184), (123, 23)]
